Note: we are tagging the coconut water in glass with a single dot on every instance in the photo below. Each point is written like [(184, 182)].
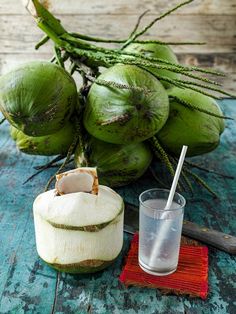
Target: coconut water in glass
[(159, 231)]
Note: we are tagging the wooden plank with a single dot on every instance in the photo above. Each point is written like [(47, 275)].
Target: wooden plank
[(20, 34), (225, 63), (103, 293), (25, 282), (222, 62), (218, 7), (9, 61)]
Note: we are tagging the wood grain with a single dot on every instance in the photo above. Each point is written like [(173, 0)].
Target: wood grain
[(20, 35), (136, 7)]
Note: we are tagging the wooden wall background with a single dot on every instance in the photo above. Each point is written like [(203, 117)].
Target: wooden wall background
[(211, 21)]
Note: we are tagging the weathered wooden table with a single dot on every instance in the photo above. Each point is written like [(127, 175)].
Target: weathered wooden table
[(28, 285)]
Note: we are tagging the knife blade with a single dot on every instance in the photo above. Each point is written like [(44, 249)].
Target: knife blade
[(219, 240)]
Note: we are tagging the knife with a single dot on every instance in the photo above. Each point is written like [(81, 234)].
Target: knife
[(219, 240)]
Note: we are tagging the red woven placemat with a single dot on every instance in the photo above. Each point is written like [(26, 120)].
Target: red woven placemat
[(191, 276)]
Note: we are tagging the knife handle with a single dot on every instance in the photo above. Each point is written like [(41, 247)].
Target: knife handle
[(220, 240)]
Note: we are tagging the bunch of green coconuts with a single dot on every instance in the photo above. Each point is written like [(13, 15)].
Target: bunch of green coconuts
[(109, 121)]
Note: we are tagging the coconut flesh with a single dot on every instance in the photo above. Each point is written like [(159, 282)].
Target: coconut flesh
[(79, 232)]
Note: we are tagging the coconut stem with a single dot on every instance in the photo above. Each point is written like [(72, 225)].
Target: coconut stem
[(121, 41), (50, 163), (68, 156), (121, 86), (191, 106), (169, 43), (42, 41), (165, 158), (81, 144), (50, 20), (43, 167), (174, 69), (201, 182), (3, 120), (193, 165), (161, 154), (145, 29), (157, 179), (138, 23), (185, 82), (108, 57), (183, 178), (59, 57)]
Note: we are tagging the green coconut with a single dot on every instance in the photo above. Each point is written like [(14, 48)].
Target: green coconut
[(156, 51), (199, 131), (48, 145), (38, 97), (129, 114), (117, 165)]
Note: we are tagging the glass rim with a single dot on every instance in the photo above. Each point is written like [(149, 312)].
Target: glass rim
[(182, 198)]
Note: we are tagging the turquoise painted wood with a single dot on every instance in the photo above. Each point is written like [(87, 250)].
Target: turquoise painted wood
[(28, 285)]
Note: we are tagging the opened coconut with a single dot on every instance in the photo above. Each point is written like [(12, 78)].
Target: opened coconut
[(117, 165), (79, 232), (131, 107), (185, 126)]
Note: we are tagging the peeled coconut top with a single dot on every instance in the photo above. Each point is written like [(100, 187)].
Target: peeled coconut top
[(79, 209)]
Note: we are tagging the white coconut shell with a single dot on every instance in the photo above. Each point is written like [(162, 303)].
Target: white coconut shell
[(79, 209), (56, 216), (62, 246)]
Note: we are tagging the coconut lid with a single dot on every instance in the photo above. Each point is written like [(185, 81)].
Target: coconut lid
[(79, 209)]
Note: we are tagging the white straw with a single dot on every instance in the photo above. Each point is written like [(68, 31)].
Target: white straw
[(166, 225), (176, 177)]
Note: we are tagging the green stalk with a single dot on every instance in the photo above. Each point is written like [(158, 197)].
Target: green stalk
[(59, 57), (68, 156), (205, 86), (138, 59), (193, 165), (138, 23), (3, 120), (50, 33), (161, 154), (121, 41), (50, 163), (122, 86), (42, 42), (43, 14), (183, 177), (169, 43), (191, 106), (181, 85), (43, 168), (145, 29), (148, 64), (157, 179), (201, 182)]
